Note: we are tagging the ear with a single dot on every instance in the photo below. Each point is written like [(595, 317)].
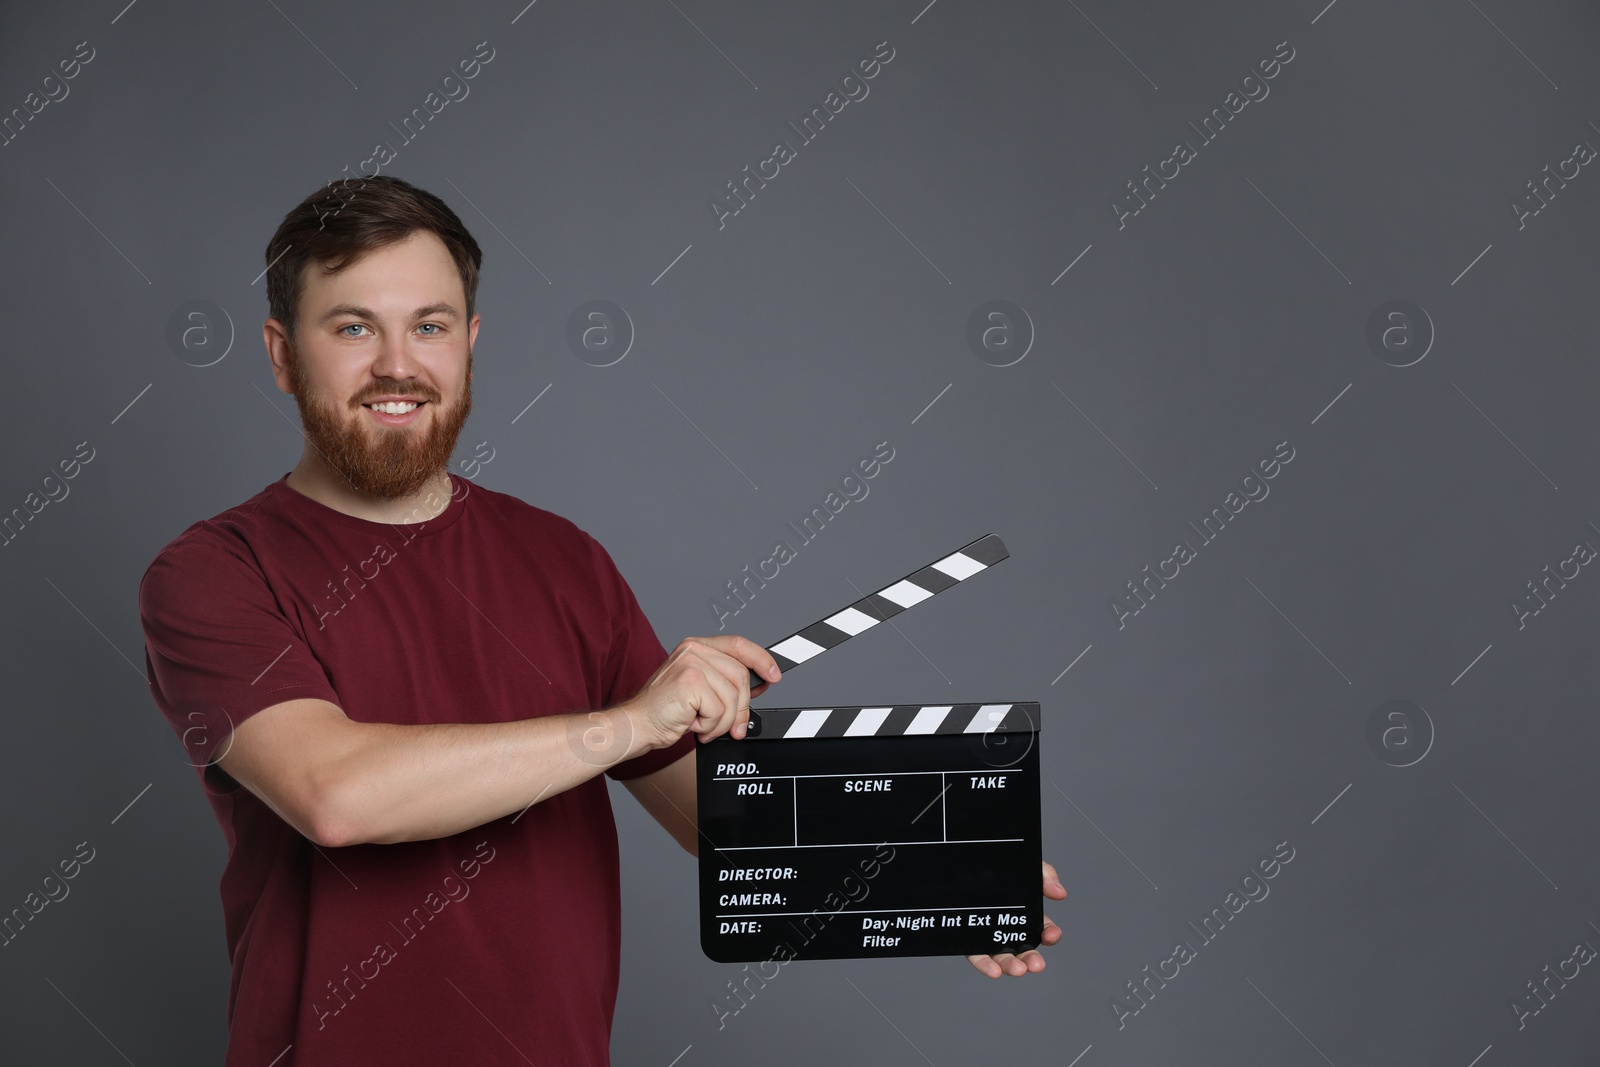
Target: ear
[(279, 351)]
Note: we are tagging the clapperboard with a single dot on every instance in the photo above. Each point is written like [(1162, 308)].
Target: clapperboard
[(908, 830)]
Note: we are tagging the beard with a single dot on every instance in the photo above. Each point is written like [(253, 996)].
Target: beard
[(387, 462)]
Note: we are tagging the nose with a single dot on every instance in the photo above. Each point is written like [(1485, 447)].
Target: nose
[(394, 359)]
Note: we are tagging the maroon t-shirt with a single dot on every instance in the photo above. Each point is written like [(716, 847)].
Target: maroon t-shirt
[(499, 944)]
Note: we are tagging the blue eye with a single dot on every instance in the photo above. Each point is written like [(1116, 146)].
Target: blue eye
[(429, 326), (351, 326)]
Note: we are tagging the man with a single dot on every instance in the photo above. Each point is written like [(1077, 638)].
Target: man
[(401, 690)]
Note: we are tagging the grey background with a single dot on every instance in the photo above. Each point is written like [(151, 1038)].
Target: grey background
[(1226, 717)]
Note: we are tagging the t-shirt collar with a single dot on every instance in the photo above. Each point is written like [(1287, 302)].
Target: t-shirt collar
[(314, 511)]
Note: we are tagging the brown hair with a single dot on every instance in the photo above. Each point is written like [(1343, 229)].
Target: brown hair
[(334, 227)]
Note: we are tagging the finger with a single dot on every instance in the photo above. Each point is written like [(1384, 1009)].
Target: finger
[(695, 690), (723, 706), (694, 682), (719, 709), (1051, 932), (698, 687), (745, 660), (986, 965), (1032, 960), (758, 659), (741, 705), (739, 676), (755, 659), (741, 718), (1052, 884), (712, 655), (1010, 964)]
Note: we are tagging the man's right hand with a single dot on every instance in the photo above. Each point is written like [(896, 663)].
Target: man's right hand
[(703, 686)]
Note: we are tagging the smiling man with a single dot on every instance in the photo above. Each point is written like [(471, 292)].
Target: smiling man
[(403, 692)]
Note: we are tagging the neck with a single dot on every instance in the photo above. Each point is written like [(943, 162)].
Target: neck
[(311, 477)]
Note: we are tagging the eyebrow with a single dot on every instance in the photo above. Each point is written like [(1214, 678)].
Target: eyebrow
[(367, 313)]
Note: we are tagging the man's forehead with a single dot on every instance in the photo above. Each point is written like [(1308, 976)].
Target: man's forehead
[(413, 275)]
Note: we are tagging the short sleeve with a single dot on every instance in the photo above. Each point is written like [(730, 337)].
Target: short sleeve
[(218, 645), (633, 655)]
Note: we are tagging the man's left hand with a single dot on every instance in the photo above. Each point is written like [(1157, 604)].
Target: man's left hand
[(1030, 961)]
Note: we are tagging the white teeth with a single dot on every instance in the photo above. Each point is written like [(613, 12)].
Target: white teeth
[(393, 407)]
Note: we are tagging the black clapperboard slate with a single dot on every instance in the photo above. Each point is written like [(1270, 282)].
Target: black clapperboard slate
[(847, 832)]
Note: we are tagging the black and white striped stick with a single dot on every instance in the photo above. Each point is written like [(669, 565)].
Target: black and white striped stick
[(891, 600), (899, 720)]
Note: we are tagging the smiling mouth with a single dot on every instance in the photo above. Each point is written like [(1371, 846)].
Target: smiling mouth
[(395, 407)]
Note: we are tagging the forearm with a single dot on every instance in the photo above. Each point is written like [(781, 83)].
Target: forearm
[(669, 796), (393, 782)]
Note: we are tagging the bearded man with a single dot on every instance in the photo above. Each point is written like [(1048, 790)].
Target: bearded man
[(401, 690)]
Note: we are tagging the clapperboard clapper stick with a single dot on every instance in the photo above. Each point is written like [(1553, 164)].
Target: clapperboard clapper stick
[(891, 600), (904, 830)]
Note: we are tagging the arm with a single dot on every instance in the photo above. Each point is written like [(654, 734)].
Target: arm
[(341, 782), (669, 796)]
